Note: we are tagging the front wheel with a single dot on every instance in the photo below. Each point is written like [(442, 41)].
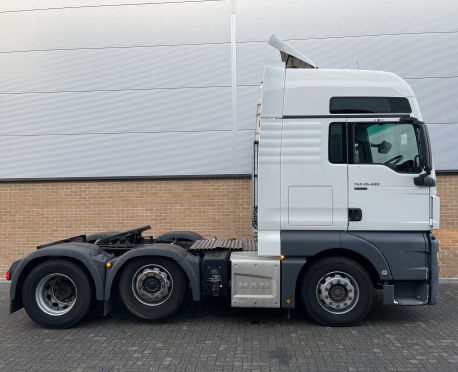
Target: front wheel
[(56, 294), (152, 288), (337, 291)]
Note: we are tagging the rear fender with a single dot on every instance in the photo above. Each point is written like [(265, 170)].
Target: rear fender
[(90, 256)]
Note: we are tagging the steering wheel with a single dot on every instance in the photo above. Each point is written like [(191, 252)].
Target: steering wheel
[(393, 161)]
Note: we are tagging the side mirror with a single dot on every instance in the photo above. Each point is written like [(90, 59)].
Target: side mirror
[(424, 180), (383, 147)]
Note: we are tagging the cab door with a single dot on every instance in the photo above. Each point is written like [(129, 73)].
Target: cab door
[(383, 161)]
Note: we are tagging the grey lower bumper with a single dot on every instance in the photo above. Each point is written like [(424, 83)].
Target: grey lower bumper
[(416, 292)]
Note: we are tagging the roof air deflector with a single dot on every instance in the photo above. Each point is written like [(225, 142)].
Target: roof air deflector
[(292, 57)]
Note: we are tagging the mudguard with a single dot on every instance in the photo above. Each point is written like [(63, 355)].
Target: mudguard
[(305, 243), (188, 262), (170, 236), (369, 251), (90, 256)]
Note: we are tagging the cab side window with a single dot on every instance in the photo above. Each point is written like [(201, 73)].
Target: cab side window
[(337, 143), (393, 145)]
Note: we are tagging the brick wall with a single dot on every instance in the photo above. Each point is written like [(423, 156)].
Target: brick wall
[(38, 212), (447, 185)]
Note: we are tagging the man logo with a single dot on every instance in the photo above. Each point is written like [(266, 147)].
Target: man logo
[(254, 285)]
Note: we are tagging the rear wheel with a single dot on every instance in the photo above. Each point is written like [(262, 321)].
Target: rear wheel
[(337, 291), (56, 294), (152, 288)]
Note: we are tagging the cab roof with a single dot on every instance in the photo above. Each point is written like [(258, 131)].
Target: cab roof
[(298, 87)]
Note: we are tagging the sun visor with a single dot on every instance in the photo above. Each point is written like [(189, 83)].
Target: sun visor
[(292, 57)]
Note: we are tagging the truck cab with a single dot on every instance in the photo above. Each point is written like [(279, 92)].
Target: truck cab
[(343, 168)]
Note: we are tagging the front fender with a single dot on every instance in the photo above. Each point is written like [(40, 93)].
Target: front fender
[(88, 255), (188, 262), (304, 243), (369, 251)]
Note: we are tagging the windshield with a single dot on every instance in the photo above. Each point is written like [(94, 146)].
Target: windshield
[(391, 144)]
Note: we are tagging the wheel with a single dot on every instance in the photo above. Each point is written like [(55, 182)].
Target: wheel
[(337, 291), (152, 288), (56, 294)]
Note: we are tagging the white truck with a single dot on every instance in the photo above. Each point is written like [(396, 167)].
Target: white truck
[(344, 202)]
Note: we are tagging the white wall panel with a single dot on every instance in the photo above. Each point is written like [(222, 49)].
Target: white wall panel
[(437, 99), (258, 19), (95, 27), (116, 155), (247, 99), (444, 146), (245, 140), (124, 111), (39, 5), (137, 68), (405, 55), (114, 54)]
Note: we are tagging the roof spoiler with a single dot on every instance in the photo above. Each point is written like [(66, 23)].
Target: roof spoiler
[(292, 57)]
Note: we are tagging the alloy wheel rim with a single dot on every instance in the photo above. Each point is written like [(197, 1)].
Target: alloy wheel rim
[(337, 292), (56, 294), (152, 285)]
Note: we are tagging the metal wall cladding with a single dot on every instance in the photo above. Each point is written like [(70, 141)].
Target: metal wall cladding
[(114, 89), (257, 19), (108, 155), (96, 88), (409, 56), (157, 110), (116, 69), (98, 24)]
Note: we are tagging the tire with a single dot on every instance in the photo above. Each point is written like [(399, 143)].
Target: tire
[(56, 294), (152, 288), (337, 291)]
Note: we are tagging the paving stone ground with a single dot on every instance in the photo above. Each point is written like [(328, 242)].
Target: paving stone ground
[(214, 337)]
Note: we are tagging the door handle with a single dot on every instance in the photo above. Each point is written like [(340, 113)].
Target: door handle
[(355, 214)]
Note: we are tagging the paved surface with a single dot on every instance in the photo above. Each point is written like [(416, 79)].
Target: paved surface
[(205, 337)]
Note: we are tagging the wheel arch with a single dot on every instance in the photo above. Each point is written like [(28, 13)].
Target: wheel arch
[(186, 261), (80, 254), (342, 252)]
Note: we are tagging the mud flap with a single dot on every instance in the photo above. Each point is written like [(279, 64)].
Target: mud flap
[(434, 267)]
